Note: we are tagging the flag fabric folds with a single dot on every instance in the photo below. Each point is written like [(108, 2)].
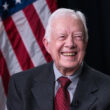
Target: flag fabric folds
[(22, 27)]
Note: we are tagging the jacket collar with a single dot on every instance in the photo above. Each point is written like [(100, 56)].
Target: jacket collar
[(85, 94), (43, 90)]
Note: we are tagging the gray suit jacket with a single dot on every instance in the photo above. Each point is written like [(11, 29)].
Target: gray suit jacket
[(34, 90)]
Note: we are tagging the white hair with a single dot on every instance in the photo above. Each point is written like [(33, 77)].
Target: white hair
[(65, 12)]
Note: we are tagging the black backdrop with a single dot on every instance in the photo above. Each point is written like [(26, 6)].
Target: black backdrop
[(98, 21)]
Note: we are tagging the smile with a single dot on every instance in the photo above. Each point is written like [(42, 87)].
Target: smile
[(69, 53)]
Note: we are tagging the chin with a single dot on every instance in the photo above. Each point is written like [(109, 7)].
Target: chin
[(69, 65), (72, 65)]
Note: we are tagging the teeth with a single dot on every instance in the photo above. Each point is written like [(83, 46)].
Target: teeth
[(68, 54)]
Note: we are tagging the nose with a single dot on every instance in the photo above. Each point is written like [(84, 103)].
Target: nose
[(70, 43)]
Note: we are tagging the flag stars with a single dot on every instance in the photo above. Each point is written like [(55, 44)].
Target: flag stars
[(18, 1), (5, 6)]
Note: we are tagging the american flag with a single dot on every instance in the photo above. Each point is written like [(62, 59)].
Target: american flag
[(22, 27)]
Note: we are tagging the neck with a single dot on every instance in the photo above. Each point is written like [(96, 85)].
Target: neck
[(68, 71)]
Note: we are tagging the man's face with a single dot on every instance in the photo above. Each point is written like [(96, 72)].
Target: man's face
[(67, 45)]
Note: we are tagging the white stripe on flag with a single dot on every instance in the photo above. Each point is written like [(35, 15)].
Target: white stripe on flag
[(8, 53), (43, 11), (28, 38)]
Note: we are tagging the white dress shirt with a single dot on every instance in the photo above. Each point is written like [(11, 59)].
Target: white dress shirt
[(74, 81)]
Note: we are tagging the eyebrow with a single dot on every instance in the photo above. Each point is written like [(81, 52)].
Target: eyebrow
[(77, 32)]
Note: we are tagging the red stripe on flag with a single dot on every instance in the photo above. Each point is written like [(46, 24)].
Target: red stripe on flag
[(4, 73), (17, 44), (37, 28), (52, 5)]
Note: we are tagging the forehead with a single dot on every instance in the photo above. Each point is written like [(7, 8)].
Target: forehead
[(70, 23)]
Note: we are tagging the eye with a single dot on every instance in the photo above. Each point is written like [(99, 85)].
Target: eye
[(62, 37), (78, 37)]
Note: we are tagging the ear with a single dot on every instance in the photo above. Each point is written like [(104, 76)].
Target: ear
[(46, 44)]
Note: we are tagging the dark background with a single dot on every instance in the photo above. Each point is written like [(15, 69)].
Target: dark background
[(97, 14)]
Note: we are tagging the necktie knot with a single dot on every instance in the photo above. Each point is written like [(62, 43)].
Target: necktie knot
[(64, 82)]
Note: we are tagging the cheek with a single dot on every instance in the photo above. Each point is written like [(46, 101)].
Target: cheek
[(82, 46), (58, 46), (82, 50), (53, 49)]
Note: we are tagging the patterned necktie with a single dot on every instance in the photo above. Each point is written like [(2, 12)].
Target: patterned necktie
[(62, 99)]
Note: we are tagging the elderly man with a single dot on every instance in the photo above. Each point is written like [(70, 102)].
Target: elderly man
[(67, 83)]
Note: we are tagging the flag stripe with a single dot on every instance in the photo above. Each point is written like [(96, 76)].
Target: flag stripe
[(4, 73), (43, 15), (28, 38), (20, 51), (37, 28), (8, 53), (21, 35), (52, 5)]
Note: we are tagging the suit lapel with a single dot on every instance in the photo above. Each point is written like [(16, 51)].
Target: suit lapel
[(85, 94), (43, 91)]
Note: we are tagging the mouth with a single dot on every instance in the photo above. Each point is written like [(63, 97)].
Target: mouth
[(69, 53)]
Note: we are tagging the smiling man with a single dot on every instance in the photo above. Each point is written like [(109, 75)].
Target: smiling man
[(67, 42), (67, 83)]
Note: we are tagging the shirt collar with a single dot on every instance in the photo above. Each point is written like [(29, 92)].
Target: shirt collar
[(72, 77)]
